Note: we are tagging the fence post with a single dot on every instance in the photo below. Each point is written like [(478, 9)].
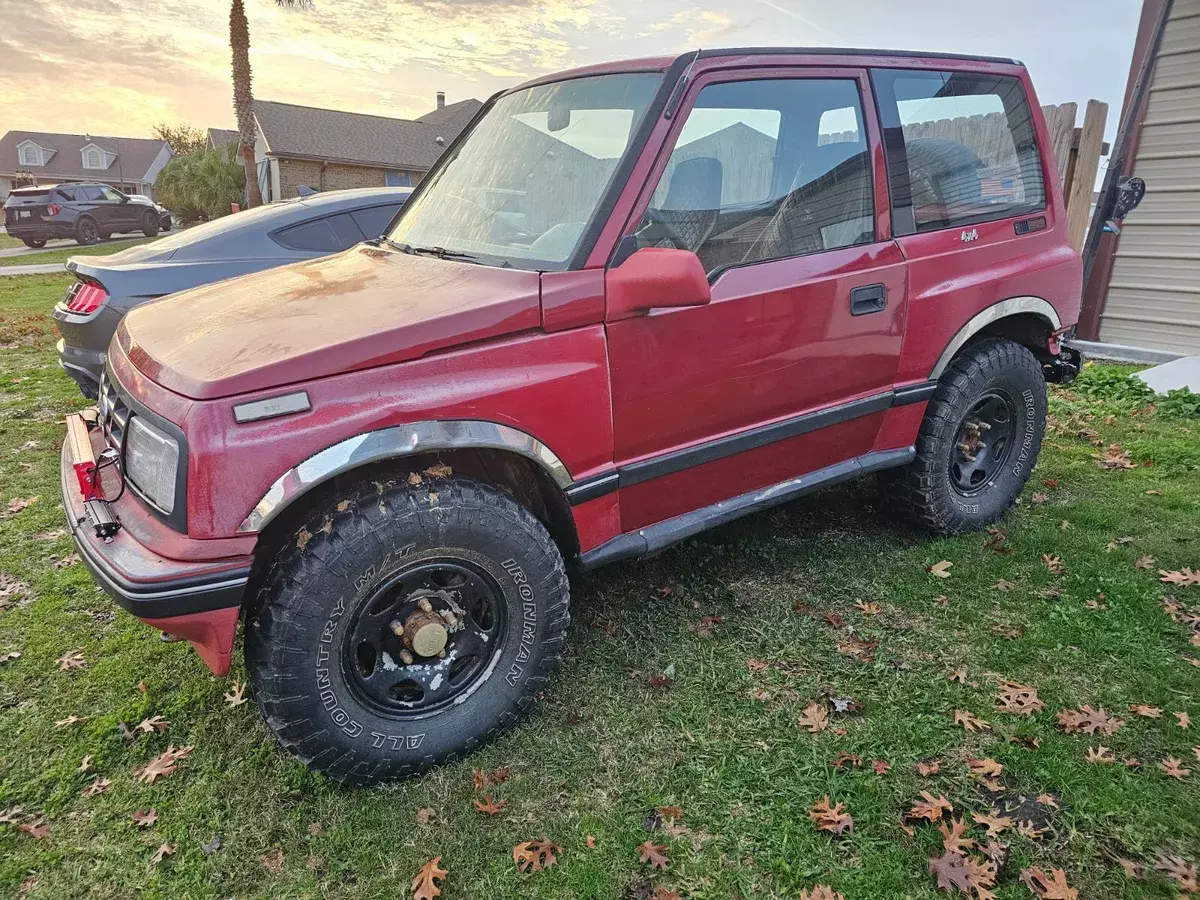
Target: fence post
[(1083, 179)]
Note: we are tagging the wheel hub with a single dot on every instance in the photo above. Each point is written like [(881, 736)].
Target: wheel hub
[(425, 634), (985, 439)]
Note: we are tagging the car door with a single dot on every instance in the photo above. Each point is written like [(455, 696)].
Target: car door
[(123, 213), (92, 203), (776, 180)]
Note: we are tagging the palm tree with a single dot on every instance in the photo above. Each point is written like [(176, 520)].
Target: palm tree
[(243, 96)]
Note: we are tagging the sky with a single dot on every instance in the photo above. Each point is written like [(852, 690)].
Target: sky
[(118, 67)]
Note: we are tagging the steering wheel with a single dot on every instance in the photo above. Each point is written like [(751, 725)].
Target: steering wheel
[(658, 227)]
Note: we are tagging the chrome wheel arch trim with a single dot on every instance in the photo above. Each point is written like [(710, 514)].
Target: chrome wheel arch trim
[(397, 442), (1010, 307)]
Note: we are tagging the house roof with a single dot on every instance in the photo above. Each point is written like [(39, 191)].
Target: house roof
[(462, 111), (219, 138), (306, 131), (131, 158)]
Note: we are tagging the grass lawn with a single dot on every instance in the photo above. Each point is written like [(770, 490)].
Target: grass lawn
[(64, 253), (822, 598)]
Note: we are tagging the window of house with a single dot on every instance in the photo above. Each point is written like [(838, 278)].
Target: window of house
[(31, 156), (764, 170), (394, 178), (93, 159), (961, 148)]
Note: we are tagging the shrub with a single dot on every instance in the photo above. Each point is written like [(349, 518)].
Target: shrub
[(201, 184)]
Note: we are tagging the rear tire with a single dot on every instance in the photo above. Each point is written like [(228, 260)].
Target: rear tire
[(34, 243), (87, 232), (978, 442), (150, 224), (330, 675)]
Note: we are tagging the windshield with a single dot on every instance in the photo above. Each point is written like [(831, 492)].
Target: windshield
[(522, 187)]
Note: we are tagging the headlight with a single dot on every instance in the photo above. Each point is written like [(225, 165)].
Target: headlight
[(151, 463)]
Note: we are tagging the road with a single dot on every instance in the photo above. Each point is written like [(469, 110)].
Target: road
[(59, 244)]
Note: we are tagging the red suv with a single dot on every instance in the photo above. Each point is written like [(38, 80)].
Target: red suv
[(631, 302)]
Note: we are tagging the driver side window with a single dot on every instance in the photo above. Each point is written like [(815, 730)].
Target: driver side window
[(765, 170)]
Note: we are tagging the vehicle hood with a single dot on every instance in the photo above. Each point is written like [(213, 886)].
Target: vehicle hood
[(366, 307)]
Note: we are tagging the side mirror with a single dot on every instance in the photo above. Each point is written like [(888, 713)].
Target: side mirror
[(1130, 193), (655, 278)]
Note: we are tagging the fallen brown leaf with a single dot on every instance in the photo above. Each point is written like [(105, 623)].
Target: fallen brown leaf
[(237, 696), (931, 808), (1173, 767), (163, 851), (72, 660), (970, 722), (941, 569), (144, 819), (489, 806), (833, 819), (1048, 887), (653, 855), (1179, 869), (162, 765), (994, 824), (1019, 699), (533, 856), (1141, 709), (815, 718), (1088, 720), (424, 883), (1182, 577)]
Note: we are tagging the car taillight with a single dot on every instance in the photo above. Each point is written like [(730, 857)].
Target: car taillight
[(87, 298), (53, 209)]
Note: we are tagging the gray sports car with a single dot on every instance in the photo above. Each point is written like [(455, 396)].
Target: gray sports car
[(107, 287)]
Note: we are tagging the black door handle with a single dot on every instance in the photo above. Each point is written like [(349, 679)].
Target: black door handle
[(871, 298)]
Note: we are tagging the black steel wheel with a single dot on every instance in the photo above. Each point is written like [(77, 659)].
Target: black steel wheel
[(985, 440), (978, 441), (405, 625), (425, 636)]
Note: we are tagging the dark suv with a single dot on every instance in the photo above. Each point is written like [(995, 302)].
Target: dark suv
[(90, 213)]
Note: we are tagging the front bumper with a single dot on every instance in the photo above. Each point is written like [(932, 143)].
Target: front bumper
[(195, 599)]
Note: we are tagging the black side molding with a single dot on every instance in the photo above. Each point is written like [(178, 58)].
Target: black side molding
[(677, 460), (914, 393), (663, 534)]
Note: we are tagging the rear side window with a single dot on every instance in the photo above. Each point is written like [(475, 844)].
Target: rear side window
[(67, 194), (961, 148), (88, 193), (326, 235), (374, 221)]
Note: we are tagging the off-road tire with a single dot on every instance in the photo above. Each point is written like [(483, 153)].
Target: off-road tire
[(327, 571), (87, 232), (923, 491), (150, 223), (34, 243)]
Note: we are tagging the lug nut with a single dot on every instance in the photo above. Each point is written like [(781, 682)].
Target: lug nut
[(442, 653), (425, 605), (397, 628), (406, 657), (449, 617)]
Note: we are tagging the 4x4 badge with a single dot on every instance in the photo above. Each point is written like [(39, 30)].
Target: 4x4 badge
[(972, 235)]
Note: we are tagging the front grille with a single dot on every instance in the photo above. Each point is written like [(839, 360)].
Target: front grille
[(114, 413)]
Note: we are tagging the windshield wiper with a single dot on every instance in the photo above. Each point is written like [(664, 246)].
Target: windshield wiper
[(439, 252)]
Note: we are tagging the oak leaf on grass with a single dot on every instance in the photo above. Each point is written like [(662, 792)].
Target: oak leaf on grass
[(533, 856), (425, 883), (653, 855), (833, 819), (1048, 887)]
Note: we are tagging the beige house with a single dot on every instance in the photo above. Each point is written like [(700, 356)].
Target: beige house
[(328, 149), (1145, 292)]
